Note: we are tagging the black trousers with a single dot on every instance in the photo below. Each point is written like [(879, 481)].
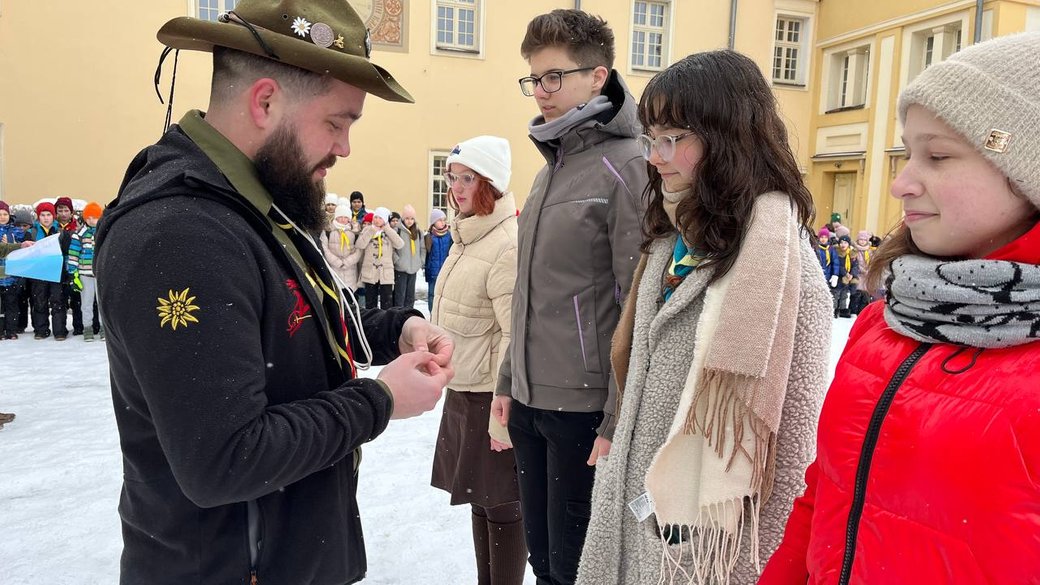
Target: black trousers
[(24, 308), (379, 293), (551, 449), (9, 297), (404, 289), (73, 300), (48, 298)]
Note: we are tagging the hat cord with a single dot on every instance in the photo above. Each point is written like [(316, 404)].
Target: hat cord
[(232, 16), (173, 83)]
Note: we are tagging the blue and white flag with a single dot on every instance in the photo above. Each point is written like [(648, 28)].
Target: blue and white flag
[(42, 261)]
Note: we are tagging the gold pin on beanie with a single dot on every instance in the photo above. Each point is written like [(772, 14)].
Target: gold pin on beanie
[(989, 94), (322, 36)]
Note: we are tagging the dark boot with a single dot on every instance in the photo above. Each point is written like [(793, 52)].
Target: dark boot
[(508, 553), (480, 546)]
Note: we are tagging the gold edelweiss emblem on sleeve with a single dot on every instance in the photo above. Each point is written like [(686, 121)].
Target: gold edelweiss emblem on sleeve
[(176, 310)]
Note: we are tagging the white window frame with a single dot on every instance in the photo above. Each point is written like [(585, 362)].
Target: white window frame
[(195, 8), (646, 29), (846, 78), (803, 47), (936, 45), (432, 177), (454, 47), (944, 30)]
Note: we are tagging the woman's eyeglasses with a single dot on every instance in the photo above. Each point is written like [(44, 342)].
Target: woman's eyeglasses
[(467, 179), (664, 145), (551, 82)]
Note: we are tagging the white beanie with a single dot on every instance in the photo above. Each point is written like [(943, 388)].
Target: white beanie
[(343, 201), (383, 213), (342, 211), (435, 215), (331, 199), (487, 155), (988, 94)]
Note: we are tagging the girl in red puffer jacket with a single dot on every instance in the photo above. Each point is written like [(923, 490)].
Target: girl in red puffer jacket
[(928, 452)]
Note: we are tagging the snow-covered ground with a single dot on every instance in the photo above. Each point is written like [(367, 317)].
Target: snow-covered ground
[(60, 475)]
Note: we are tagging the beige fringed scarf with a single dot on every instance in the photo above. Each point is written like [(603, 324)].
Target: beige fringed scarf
[(716, 467)]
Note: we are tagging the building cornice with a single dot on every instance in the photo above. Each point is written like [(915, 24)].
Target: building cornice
[(895, 23)]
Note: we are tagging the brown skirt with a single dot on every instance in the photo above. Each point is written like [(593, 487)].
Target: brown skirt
[(464, 464)]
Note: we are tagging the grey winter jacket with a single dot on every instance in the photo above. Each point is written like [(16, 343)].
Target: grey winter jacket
[(579, 236), (404, 259)]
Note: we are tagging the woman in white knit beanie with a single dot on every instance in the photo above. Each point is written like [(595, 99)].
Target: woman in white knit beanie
[(474, 305), (928, 454)]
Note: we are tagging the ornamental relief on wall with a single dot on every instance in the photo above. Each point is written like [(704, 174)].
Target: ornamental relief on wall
[(385, 20)]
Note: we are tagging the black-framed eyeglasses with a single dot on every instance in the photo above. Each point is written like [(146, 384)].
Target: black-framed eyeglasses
[(466, 179), (551, 82), (664, 145)]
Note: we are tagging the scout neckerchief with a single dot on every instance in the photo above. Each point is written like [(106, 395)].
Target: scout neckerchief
[(684, 261), (827, 249), (241, 173), (344, 241)]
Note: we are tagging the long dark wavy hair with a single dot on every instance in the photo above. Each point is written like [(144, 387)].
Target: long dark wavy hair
[(723, 98)]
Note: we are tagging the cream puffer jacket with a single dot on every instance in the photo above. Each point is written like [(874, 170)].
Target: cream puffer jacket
[(474, 297), (377, 264), (342, 254)]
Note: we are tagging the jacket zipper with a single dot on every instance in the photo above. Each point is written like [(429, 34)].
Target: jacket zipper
[(256, 542), (867, 454)]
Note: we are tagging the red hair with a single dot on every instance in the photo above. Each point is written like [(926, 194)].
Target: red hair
[(483, 200)]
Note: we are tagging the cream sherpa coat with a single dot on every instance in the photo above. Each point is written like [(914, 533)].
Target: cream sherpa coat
[(620, 550)]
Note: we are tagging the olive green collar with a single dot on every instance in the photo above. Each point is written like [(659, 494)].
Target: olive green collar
[(232, 162)]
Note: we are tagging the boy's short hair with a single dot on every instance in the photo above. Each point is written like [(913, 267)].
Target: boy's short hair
[(587, 38)]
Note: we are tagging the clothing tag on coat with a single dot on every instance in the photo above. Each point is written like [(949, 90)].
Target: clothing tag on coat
[(642, 507)]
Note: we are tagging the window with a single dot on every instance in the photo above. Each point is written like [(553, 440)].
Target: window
[(649, 30), (438, 186), (456, 23), (790, 50), (940, 44), (848, 78), (933, 45), (211, 9)]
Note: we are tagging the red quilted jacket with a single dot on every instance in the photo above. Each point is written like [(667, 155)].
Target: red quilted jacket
[(950, 491)]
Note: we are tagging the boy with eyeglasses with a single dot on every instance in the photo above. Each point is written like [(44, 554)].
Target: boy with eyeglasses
[(579, 236)]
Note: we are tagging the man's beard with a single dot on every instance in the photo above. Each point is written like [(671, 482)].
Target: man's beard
[(283, 170)]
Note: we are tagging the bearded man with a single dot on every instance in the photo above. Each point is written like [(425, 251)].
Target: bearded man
[(231, 349)]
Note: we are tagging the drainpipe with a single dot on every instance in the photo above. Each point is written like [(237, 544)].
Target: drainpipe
[(577, 4), (733, 23), (978, 20)]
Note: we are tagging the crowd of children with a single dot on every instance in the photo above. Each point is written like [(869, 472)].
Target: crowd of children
[(44, 304), (378, 253), (845, 265)]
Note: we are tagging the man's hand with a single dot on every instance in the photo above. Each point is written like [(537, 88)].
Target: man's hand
[(28, 244), (418, 334), (499, 446), (500, 409), (600, 448), (416, 382)]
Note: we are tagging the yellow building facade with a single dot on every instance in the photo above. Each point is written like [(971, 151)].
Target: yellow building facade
[(77, 100), (865, 54)]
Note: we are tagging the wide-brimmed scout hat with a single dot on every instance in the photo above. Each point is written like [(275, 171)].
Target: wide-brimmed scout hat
[(322, 36)]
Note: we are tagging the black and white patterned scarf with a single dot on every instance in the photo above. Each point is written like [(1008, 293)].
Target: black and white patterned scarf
[(976, 303)]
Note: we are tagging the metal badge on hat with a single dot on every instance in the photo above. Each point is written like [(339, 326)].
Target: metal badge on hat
[(320, 33), (998, 141)]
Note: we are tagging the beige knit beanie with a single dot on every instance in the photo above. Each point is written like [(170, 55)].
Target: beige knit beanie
[(990, 94)]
